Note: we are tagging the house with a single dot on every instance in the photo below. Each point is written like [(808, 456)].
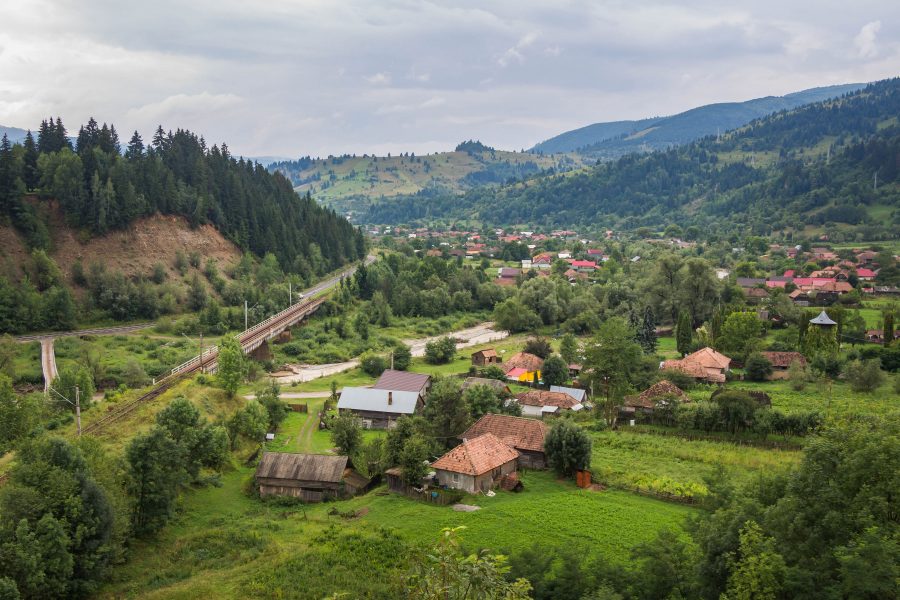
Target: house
[(485, 357), (866, 274), (755, 295), (495, 384), (705, 364), (867, 257), (403, 381), (523, 366), (538, 403), (310, 477), (524, 435), (646, 401), (781, 362), (378, 409), (476, 465), (578, 394), (584, 265), (877, 335), (574, 370), (799, 297)]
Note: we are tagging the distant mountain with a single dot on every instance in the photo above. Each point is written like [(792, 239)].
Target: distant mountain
[(14, 134), (614, 139), (810, 171)]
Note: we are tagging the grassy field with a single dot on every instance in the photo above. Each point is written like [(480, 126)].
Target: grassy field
[(27, 363), (225, 544), (672, 465)]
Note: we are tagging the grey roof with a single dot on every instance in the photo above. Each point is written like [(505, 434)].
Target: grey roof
[(402, 381), (822, 319), (361, 398), (495, 384), (576, 393), (302, 467), (750, 281)]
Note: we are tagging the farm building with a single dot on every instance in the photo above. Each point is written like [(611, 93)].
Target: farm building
[(781, 362), (310, 477), (476, 465), (523, 367), (538, 403), (401, 381), (578, 394), (486, 357), (646, 401), (378, 409), (525, 435), (495, 384), (705, 365)]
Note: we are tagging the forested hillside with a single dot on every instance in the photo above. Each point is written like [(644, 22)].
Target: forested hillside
[(346, 182), (101, 188), (814, 167), (612, 140)]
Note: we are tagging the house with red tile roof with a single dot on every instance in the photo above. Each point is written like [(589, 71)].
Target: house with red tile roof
[(864, 274), (539, 403), (525, 435), (476, 465), (705, 364)]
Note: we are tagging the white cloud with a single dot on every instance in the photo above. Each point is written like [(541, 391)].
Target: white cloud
[(865, 40), (321, 78), (379, 79)]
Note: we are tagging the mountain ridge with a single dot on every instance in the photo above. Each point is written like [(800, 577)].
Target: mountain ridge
[(608, 140)]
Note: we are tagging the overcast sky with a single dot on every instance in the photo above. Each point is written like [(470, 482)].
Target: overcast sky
[(292, 78)]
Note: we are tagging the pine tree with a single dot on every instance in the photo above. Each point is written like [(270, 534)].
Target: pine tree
[(135, 148), (647, 331), (888, 329), (7, 177), (30, 173), (683, 333)]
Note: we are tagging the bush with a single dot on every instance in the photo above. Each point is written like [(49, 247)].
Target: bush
[(679, 378), (372, 364), (440, 351), (758, 367), (798, 375), (568, 448), (539, 346), (865, 376)]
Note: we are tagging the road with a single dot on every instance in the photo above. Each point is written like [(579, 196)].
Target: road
[(95, 331), (48, 362), (480, 334)]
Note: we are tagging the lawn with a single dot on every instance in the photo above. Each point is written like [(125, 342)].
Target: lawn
[(225, 544), (27, 363), (672, 465), (831, 398)]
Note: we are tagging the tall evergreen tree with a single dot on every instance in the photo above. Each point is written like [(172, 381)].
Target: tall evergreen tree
[(683, 333), (30, 173), (647, 331), (7, 177), (888, 329)]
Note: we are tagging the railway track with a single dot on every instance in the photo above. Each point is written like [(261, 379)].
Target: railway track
[(250, 340)]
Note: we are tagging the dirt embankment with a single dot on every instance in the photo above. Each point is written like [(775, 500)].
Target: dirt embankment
[(132, 251)]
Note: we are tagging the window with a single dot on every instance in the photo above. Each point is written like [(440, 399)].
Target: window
[(455, 478)]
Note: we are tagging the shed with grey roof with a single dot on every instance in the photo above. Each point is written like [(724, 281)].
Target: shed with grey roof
[(378, 409), (577, 393)]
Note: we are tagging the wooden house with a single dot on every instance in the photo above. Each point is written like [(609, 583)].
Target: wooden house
[(525, 435), (781, 362), (310, 477), (378, 409), (482, 358), (476, 465)]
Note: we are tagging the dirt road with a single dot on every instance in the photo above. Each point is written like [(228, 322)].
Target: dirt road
[(480, 334)]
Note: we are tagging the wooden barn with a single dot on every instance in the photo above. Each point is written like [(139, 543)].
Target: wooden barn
[(482, 358), (310, 477)]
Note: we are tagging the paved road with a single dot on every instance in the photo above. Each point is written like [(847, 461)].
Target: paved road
[(48, 362), (95, 331)]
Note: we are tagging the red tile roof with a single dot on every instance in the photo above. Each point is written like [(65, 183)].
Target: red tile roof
[(783, 360), (545, 398), (476, 456), (516, 432), (524, 360)]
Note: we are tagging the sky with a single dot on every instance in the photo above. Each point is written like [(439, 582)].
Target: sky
[(319, 77)]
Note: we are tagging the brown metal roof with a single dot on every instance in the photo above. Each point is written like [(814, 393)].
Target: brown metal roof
[(518, 432), (476, 456), (402, 381), (302, 467)]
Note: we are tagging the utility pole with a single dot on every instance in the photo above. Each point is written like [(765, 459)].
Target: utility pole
[(246, 327), (392, 360), (78, 409), (201, 351), (290, 294), (875, 184)]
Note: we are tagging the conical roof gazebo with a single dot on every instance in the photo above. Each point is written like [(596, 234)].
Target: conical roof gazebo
[(823, 319)]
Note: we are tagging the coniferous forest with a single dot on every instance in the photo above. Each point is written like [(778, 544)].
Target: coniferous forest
[(102, 186)]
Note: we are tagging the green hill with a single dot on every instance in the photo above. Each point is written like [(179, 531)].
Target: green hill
[(808, 169), (614, 139), (341, 178)]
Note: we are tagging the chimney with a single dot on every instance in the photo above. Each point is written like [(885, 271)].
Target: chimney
[(390, 398)]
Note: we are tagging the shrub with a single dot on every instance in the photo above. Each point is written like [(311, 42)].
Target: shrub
[(798, 375), (758, 367), (372, 364), (440, 351), (865, 376), (539, 346), (568, 448)]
